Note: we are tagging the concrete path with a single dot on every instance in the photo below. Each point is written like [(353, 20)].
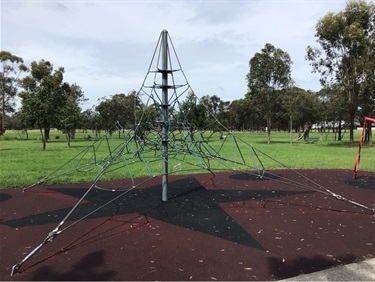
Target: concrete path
[(362, 271)]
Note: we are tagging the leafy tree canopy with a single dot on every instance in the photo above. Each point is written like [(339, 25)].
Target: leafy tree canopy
[(11, 68), (42, 98), (270, 72), (347, 53)]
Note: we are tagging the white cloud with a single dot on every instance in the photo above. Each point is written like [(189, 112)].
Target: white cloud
[(106, 46)]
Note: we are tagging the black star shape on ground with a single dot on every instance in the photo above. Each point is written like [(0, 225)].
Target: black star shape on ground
[(190, 205)]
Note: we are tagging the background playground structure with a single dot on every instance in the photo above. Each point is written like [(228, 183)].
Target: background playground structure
[(23, 162)]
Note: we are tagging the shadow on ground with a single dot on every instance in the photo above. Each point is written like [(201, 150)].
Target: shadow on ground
[(304, 265), (87, 269), (365, 182)]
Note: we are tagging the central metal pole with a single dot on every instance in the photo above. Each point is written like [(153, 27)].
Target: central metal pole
[(164, 110)]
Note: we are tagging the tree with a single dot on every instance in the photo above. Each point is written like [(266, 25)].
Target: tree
[(42, 97), (150, 113), (120, 108), (269, 74), (309, 111), (193, 113), (217, 107), (97, 123), (347, 52), (333, 107), (241, 116), (367, 100), (14, 122), (87, 120), (290, 107), (11, 68), (70, 112)]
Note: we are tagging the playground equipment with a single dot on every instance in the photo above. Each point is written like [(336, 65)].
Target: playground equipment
[(169, 144), (366, 124)]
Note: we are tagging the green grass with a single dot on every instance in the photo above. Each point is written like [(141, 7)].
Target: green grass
[(23, 162)]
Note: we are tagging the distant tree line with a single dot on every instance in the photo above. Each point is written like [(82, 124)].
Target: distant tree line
[(345, 60)]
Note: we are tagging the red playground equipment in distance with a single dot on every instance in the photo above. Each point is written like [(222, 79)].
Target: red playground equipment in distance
[(366, 123)]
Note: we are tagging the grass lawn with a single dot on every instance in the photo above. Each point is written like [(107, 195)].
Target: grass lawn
[(23, 162)]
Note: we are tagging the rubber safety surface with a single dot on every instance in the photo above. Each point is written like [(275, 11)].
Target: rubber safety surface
[(234, 227)]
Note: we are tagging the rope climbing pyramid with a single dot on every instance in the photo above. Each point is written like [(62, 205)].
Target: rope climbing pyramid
[(173, 137)]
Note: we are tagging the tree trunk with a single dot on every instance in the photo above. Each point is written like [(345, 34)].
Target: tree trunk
[(2, 123), (46, 133), (351, 123), (68, 137), (370, 134), (269, 123), (2, 120), (291, 128), (43, 139), (366, 137)]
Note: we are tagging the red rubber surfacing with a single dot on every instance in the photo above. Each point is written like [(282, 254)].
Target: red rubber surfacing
[(232, 228)]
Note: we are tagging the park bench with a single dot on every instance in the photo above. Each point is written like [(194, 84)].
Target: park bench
[(311, 140)]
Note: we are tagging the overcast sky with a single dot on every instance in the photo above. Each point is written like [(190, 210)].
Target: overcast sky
[(106, 46)]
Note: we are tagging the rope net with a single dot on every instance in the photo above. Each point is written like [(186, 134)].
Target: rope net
[(191, 148)]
